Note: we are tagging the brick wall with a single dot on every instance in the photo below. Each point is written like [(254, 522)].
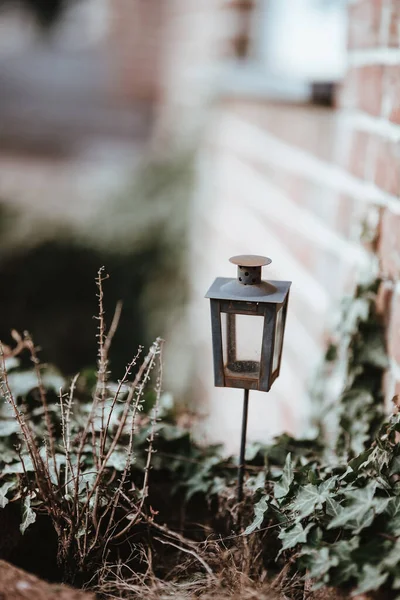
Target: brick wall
[(317, 190), (371, 98)]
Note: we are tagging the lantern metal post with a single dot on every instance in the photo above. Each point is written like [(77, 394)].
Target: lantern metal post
[(247, 297), (242, 460)]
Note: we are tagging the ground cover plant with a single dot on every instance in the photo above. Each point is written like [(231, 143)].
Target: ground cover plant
[(139, 508)]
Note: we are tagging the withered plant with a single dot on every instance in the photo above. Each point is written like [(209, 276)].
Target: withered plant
[(81, 476), (227, 581)]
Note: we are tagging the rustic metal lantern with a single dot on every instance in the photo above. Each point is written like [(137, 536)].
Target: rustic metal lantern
[(248, 317)]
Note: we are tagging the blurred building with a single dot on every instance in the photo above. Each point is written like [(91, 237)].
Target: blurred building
[(100, 116)]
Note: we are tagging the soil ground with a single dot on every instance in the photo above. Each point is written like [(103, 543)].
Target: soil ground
[(16, 584)]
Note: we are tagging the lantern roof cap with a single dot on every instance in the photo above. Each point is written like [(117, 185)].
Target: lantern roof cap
[(250, 260), (270, 292)]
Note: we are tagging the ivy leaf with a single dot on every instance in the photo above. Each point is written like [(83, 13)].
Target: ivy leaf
[(333, 508), (373, 351), (3, 492), (320, 562), (379, 459), (252, 450), (312, 497), (371, 579), (360, 460), (353, 517), (259, 512), (202, 480), (366, 496), (395, 465), (17, 467), (362, 509), (256, 483), (282, 487), (118, 460), (393, 511), (28, 515), (393, 558), (8, 427), (22, 382), (312, 477), (293, 536), (11, 363), (347, 567), (314, 540), (60, 460), (396, 584)]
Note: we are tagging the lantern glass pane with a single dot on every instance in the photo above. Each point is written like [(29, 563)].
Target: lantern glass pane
[(278, 339), (242, 342)]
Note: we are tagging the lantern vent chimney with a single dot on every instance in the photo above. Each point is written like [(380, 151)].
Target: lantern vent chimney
[(249, 268)]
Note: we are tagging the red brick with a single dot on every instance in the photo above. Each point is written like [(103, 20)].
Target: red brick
[(394, 25), (391, 98), (360, 152), (370, 81), (308, 127), (389, 245), (387, 166), (346, 93), (394, 331), (362, 89), (365, 23)]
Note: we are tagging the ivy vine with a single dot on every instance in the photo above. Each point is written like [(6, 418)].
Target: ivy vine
[(338, 508)]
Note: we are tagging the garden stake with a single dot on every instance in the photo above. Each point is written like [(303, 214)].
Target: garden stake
[(242, 460), (248, 318)]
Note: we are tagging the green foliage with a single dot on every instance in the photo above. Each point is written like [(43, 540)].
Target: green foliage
[(339, 512), (187, 467), (345, 525), (282, 487), (331, 503), (357, 360), (28, 516), (293, 535), (260, 510)]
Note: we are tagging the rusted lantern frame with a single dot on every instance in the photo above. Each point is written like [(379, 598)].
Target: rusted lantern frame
[(247, 295), (269, 312)]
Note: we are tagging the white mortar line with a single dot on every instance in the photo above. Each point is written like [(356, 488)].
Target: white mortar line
[(362, 121), (252, 142), (374, 56)]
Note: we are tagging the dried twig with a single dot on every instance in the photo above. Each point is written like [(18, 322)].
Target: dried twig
[(189, 551), (43, 398)]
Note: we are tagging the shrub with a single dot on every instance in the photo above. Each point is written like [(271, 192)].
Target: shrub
[(78, 469)]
